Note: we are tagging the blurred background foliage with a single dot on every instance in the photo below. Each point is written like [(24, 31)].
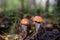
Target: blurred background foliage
[(21, 7)]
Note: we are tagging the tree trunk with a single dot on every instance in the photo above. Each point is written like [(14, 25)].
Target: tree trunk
[(22, 5)]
